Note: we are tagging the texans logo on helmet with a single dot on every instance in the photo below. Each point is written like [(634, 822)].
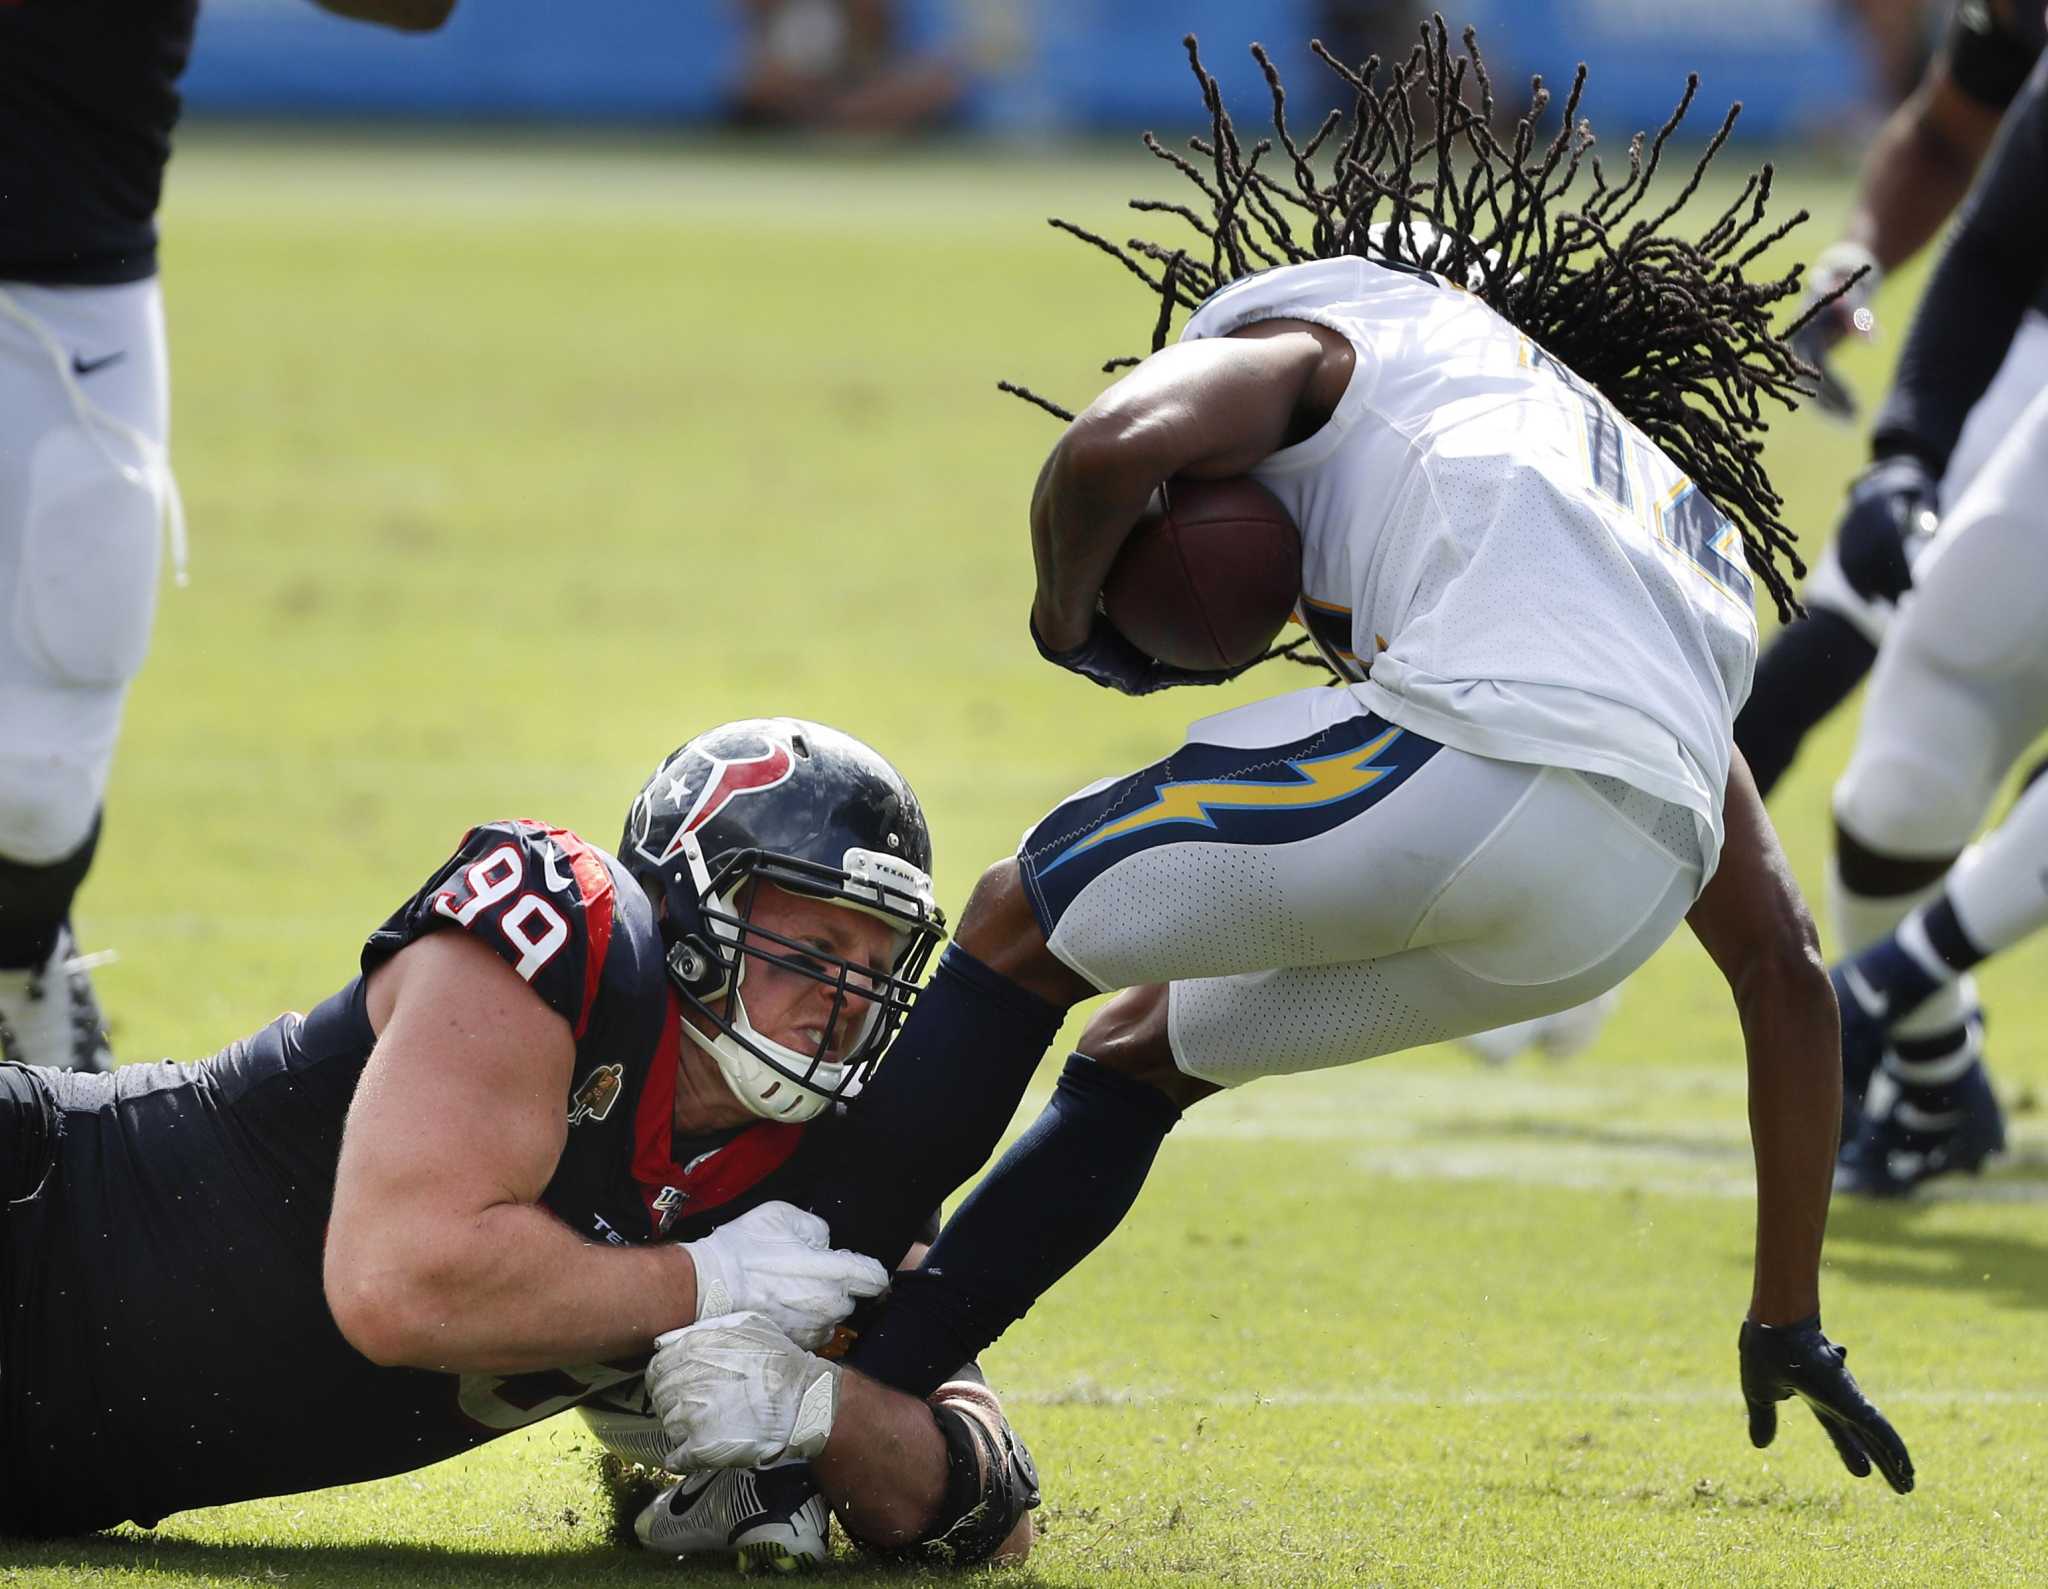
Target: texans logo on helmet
[(728, 780)]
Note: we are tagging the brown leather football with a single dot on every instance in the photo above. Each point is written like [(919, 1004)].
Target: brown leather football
[(1208, 576)]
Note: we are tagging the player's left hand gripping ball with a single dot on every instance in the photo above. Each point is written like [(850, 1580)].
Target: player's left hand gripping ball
[(1779, 1362), (735, 1392), (1108, 659)]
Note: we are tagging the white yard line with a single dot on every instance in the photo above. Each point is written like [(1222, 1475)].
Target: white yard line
[(1088, 1394)]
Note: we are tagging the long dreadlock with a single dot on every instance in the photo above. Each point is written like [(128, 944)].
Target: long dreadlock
[(1671, 331)]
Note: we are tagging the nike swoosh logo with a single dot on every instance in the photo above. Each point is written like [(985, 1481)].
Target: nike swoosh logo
[(684, 1500), (556, 881), (81, 366)]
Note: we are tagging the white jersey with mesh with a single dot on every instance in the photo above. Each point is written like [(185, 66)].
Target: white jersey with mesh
[(1520, 572)]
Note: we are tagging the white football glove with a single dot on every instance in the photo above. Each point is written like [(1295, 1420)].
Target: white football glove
[(779, 1260), (735, 1392)]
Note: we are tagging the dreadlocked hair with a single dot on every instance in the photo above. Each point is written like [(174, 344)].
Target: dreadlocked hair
[(1672, 331)]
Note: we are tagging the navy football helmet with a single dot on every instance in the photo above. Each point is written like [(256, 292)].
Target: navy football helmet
[(801, 807)]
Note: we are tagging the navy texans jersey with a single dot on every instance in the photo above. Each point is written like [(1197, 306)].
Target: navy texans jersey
[(88, 98), (166, 1341)]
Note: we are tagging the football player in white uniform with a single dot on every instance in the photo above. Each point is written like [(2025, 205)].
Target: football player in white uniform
[(87, 105), (1523, 544), (1960, 691)]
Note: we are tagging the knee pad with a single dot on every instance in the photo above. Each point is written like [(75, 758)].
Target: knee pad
[(48, 808), (991, 1481), (1904, 805)]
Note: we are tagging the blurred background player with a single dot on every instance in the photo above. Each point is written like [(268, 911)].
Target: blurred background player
[(556, 1065), (1918, 169), (88, 100), (1491, 820), (1961, 690), (839, 66)]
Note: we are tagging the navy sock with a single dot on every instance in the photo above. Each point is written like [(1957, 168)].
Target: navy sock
[(35, 902), (1051, 1200), (1945, 933), (1806, 671), (1888, 980), (934, 1112)]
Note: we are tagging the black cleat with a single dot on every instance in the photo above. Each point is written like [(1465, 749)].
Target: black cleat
[(1902, 1145)]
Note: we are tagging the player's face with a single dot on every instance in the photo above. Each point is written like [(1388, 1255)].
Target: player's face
[(794, 1009)]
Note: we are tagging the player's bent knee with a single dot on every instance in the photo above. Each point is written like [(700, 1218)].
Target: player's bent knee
[(47, 809), (1908, 809), (1129, 1035), (1000, 929), (991, 1485)]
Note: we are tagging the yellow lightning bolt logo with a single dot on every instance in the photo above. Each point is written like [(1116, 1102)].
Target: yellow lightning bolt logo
[(1320, 781)]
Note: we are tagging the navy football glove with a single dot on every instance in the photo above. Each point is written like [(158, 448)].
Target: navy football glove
[(1889, 520), (1782, 1361), (1108, 659)]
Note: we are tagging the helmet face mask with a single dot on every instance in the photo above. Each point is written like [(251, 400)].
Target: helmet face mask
[(792, 806)]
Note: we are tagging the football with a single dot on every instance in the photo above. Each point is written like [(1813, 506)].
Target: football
[(1208, 576)]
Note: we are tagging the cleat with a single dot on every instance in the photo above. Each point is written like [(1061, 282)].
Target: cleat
[(1899, 1146), (49, 1016), (771, 1519)]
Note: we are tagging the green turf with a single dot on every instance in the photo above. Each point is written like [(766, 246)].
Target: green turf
[(508, 468)]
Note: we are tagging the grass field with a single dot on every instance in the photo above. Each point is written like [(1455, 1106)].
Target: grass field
[(508, 468)]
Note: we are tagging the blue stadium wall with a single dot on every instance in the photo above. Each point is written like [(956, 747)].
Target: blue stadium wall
[(1034, 64)]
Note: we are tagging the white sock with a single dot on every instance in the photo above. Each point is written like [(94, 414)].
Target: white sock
[(2000, 886)]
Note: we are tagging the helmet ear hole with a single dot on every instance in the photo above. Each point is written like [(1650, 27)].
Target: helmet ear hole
[(694, 965)]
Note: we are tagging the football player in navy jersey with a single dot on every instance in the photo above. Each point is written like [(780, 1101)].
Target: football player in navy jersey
[(554, 1118), (88, 100)]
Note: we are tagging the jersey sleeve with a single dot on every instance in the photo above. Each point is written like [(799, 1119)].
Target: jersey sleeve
[(539, 897)]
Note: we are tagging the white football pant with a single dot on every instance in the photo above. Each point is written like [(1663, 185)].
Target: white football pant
[(1961, 684), (1320, 886), (84, 489)]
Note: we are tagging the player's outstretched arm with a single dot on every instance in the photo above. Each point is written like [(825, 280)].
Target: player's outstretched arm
[(949, 1473), (408, 16), (1754, 923), (1751, 919)]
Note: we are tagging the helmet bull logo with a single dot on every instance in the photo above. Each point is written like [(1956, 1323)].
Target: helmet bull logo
[(728, 780)]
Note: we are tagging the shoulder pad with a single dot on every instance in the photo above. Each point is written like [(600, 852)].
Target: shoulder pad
[(540, 897)]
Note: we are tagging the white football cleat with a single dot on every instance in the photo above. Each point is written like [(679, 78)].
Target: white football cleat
[(771, 1519), (48, 1015), (1558, 1035)]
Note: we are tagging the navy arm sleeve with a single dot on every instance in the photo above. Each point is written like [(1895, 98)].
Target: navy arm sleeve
[(1991, 48), (1993, 269)]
